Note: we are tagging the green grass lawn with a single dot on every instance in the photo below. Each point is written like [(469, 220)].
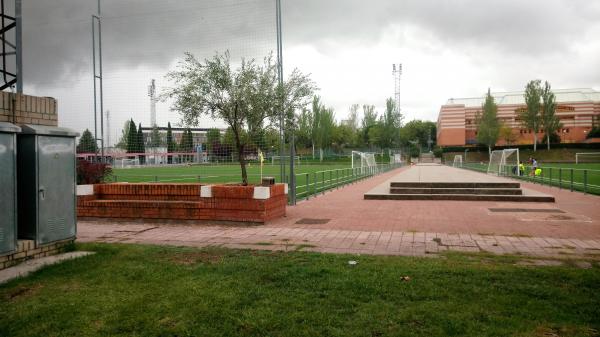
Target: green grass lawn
[(211, 173), (135, 290)]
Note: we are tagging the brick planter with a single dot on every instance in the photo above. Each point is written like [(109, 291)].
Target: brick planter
[(182, 202)]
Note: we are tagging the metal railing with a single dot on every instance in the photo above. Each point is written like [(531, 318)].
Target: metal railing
[(573, 179), (314, 183)]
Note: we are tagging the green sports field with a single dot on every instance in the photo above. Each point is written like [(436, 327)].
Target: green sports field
[(311, 178), (580, 176)]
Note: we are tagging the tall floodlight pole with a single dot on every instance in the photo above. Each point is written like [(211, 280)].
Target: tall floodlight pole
[(107, 128), (97, 19), (280, 81), (152, 95), (397, 72)]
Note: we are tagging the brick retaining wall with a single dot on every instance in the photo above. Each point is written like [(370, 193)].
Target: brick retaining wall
[(182, 202), (26, 250), (26, 109)]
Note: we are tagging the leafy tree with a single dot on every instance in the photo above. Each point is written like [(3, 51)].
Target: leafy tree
[(369, 120), (317, 107), (390, 125), (417, 131), (550, 121), (530, 116), (122, 143), (132, 138), (304, 133), (245, 98), (187, 143), (87, 143), (488, 126), (324, 131), (213, 139), (155, 138), (506, 134), (170, 143), (141, 144)]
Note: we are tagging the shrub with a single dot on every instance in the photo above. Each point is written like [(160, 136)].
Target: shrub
[(92, 173), (594, 133)]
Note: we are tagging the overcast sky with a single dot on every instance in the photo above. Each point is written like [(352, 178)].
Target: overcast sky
[(447, 48)]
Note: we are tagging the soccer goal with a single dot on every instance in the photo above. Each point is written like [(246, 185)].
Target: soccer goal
[(286, 159), (124, 163), (587, 157), (395, 157), (363, 159), (458, 161), (504, 162)]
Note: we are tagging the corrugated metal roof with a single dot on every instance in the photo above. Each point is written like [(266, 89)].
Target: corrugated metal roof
[(505, 98)]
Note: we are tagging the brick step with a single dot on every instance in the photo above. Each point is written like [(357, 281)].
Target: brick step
[(455, 184), (475, 191), (462, 197)]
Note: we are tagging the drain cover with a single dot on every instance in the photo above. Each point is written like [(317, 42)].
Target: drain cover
[(526, 210), (309, 221)]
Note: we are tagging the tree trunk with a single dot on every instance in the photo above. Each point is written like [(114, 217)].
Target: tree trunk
[(489, 152), (313, 150), (534, 141), (241, 157), (548, 141), (320, 154)]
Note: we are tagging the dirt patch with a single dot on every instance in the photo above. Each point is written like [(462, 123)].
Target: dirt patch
[(21, 292)]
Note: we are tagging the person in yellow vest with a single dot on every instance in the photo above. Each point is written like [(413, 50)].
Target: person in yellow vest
[(521, 168), (538, 172)]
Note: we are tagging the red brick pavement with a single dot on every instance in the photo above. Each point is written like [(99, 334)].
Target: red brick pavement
[(346, 209)]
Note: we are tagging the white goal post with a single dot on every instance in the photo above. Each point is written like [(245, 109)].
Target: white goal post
[(363, 159), (587, 157), (504, 162), (277, 159), (458, 161)]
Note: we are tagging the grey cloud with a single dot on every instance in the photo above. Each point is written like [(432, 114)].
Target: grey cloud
[(57, 37)]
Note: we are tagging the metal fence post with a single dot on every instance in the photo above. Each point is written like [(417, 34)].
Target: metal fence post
[(551, 177), (571, 180), (307, 186), (584, 181), (560, 178), (155, 179)]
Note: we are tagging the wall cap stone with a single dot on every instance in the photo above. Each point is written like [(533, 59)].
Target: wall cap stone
[(85, 189), (262, 192), (206, 191)]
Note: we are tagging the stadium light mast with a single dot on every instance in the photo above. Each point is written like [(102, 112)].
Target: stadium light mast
[(397, 72), (152, 95), (97, 76)]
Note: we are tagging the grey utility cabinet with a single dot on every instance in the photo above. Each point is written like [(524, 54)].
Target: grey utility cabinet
[(8, 187), (47, 183)]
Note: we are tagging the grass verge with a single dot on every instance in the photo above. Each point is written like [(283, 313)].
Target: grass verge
[(137, 290)]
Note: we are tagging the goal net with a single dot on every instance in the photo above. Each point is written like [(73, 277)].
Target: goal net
[(286, 160), (395, 157), (504, 162), (458, 161), (587, 157), (125, 162), (363, 159)]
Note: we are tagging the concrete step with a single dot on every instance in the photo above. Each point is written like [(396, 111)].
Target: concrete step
[(476, 191), (456, 184), (461, 197)]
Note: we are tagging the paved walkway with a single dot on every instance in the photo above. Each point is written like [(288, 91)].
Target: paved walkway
[(335, 241), (342, 221)]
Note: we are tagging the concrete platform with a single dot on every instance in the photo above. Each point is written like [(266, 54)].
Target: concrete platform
[(438, 182)]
